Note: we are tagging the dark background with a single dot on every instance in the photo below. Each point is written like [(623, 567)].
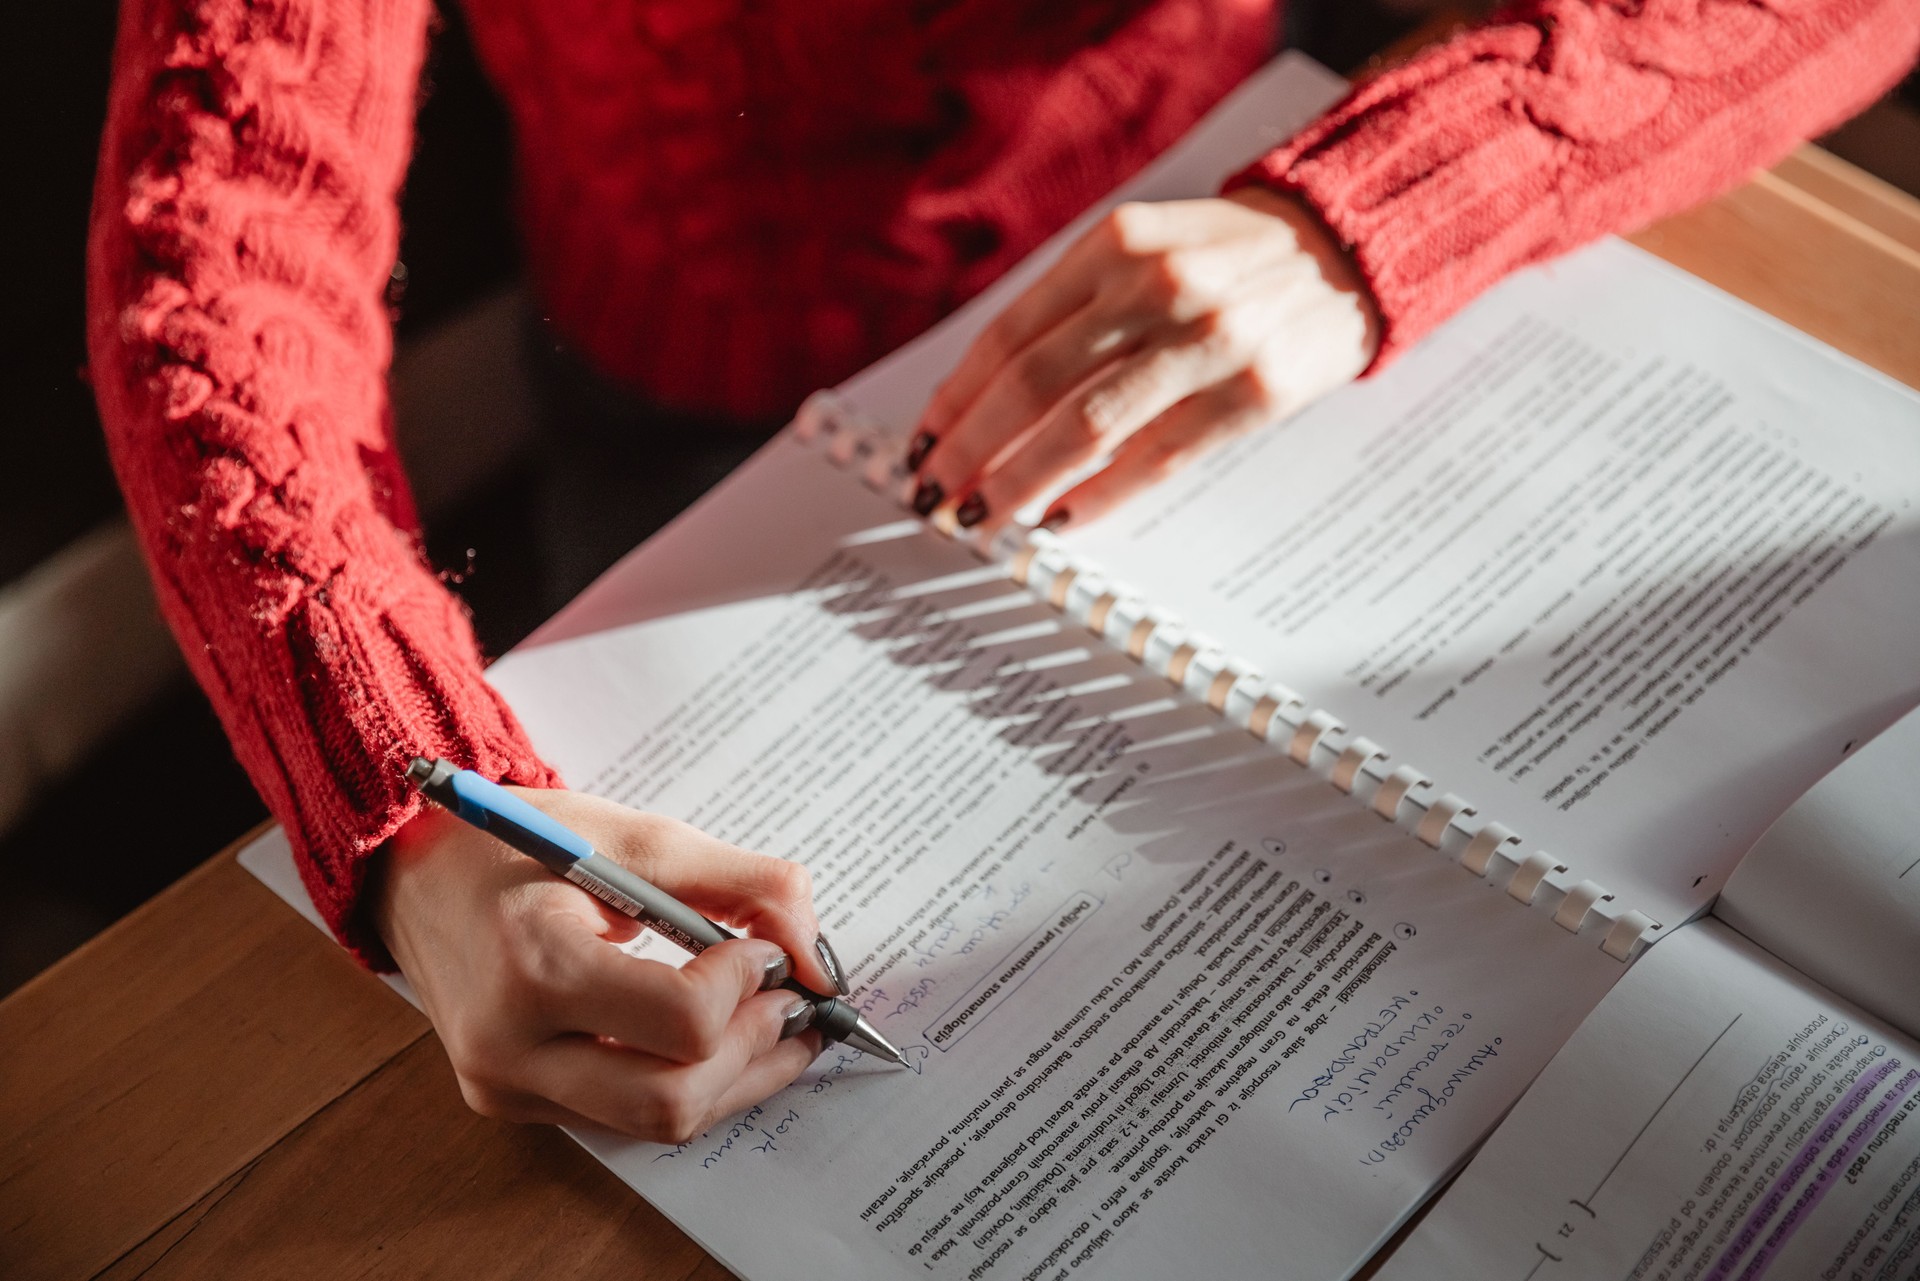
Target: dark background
[(164, 792)]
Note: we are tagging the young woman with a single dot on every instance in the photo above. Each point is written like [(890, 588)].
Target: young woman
[(725, 206)]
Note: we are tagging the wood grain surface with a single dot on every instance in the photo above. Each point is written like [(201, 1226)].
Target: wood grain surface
[(1854, 193), (1783, 249), (165, 1057)]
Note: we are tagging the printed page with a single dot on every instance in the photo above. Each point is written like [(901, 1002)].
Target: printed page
[(1169, 998), (1718, 1117), (1618, 559), (1833, 888)]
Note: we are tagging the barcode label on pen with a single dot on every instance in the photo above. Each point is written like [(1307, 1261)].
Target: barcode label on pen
[(601, 890)]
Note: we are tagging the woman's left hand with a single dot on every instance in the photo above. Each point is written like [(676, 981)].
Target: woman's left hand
[(1165, 329)]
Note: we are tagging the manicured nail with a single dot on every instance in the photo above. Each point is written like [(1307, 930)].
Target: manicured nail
[(971, 512), (797, 1019), (922, 446), (778, 971), (1055, 520), (832, 964), (928, 497)]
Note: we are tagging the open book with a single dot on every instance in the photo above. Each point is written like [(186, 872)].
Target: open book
[(1229, 868)]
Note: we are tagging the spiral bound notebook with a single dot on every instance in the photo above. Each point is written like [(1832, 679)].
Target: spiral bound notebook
[(1230, 867)]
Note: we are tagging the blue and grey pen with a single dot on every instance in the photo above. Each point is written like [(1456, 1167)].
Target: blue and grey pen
[(566, 853)]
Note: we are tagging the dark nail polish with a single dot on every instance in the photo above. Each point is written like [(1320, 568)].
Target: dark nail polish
[(832, 963), (1055, 520), (971, 512), (797, 1019), (927, 497), (778, 971), (922, 446)]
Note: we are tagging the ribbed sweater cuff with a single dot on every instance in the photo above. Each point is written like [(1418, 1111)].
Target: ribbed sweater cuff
[(333, 661), (1428, 178), (375, 684), (1563, 121)]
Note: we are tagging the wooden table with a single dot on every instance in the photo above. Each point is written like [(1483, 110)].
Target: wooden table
[(213, 1089)]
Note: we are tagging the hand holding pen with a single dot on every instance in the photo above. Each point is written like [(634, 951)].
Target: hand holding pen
[(544, 1021)]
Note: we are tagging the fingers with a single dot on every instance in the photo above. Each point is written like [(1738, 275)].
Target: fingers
[(544, 1019), (504, 1103), (1159, 306), (770, 897), (1062, 290), (1024, 390), (1229, 408), (1152, 331), (583, 1031), (1107, 411), (682, 1015), (648, 1098)]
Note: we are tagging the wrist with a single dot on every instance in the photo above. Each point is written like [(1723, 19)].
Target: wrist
[(392, 871)]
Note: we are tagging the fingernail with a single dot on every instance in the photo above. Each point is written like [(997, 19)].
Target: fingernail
[(917, 453), (778, 971), (797, 1019), (832, 964), (927, 497), (1055, 520), (971, 512)]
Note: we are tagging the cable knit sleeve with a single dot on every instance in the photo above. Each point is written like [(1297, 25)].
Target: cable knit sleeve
[(244, 225), (1560, 121)]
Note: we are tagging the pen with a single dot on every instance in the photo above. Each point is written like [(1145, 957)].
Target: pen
[(566, 853)]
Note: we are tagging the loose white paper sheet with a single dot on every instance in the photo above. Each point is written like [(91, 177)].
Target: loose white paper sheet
[(1833, 888), (1718, 1117)]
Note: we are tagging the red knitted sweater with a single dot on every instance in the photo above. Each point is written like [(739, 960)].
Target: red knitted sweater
[(727, 209)]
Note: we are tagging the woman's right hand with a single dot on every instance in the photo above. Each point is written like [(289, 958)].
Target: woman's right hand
[(545, 1019)]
